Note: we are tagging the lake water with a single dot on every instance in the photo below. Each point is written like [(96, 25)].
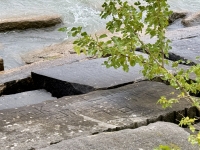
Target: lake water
[(74, 13)]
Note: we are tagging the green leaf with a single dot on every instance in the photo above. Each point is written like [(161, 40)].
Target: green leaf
[(77, 49), (74, 29), (64, 29), (103, 36), (84, 34)]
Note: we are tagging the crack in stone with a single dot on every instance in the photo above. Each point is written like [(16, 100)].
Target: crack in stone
[(55, 142)]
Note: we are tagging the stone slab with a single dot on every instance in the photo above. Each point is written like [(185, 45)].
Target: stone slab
[(187, 48), (19, 78), (143, 138), (86, 76), (50, 122), (83, 77), (55, 51), (32, 21), (24, 99), (183, 33), (24, 71), (185, 43)]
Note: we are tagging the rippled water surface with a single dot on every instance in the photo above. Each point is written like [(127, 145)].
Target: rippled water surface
[(74, 13)]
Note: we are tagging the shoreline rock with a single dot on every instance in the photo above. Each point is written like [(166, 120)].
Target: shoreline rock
[(30, 21), (192, 20), (55, 51), (65, 49), (177, 15)]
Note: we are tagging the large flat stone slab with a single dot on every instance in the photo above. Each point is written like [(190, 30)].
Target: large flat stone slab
[(185, 44), (83, 77), (30, 21), (86, 76), (130, 106), (143, 138), (183, 33)]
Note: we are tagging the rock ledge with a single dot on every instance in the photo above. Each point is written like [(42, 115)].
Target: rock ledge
[(26, 22)]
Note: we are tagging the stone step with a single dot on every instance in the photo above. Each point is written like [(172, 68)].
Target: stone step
[(83, 77), (143, 138), (130, 106)]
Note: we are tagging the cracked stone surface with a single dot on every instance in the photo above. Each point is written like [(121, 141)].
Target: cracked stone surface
[(143, 138), (50, 122)]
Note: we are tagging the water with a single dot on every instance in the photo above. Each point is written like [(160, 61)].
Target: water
[(74, 13), (185, 5)]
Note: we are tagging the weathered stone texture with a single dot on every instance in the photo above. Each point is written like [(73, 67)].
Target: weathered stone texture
[(144, 138), (129, 106)]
